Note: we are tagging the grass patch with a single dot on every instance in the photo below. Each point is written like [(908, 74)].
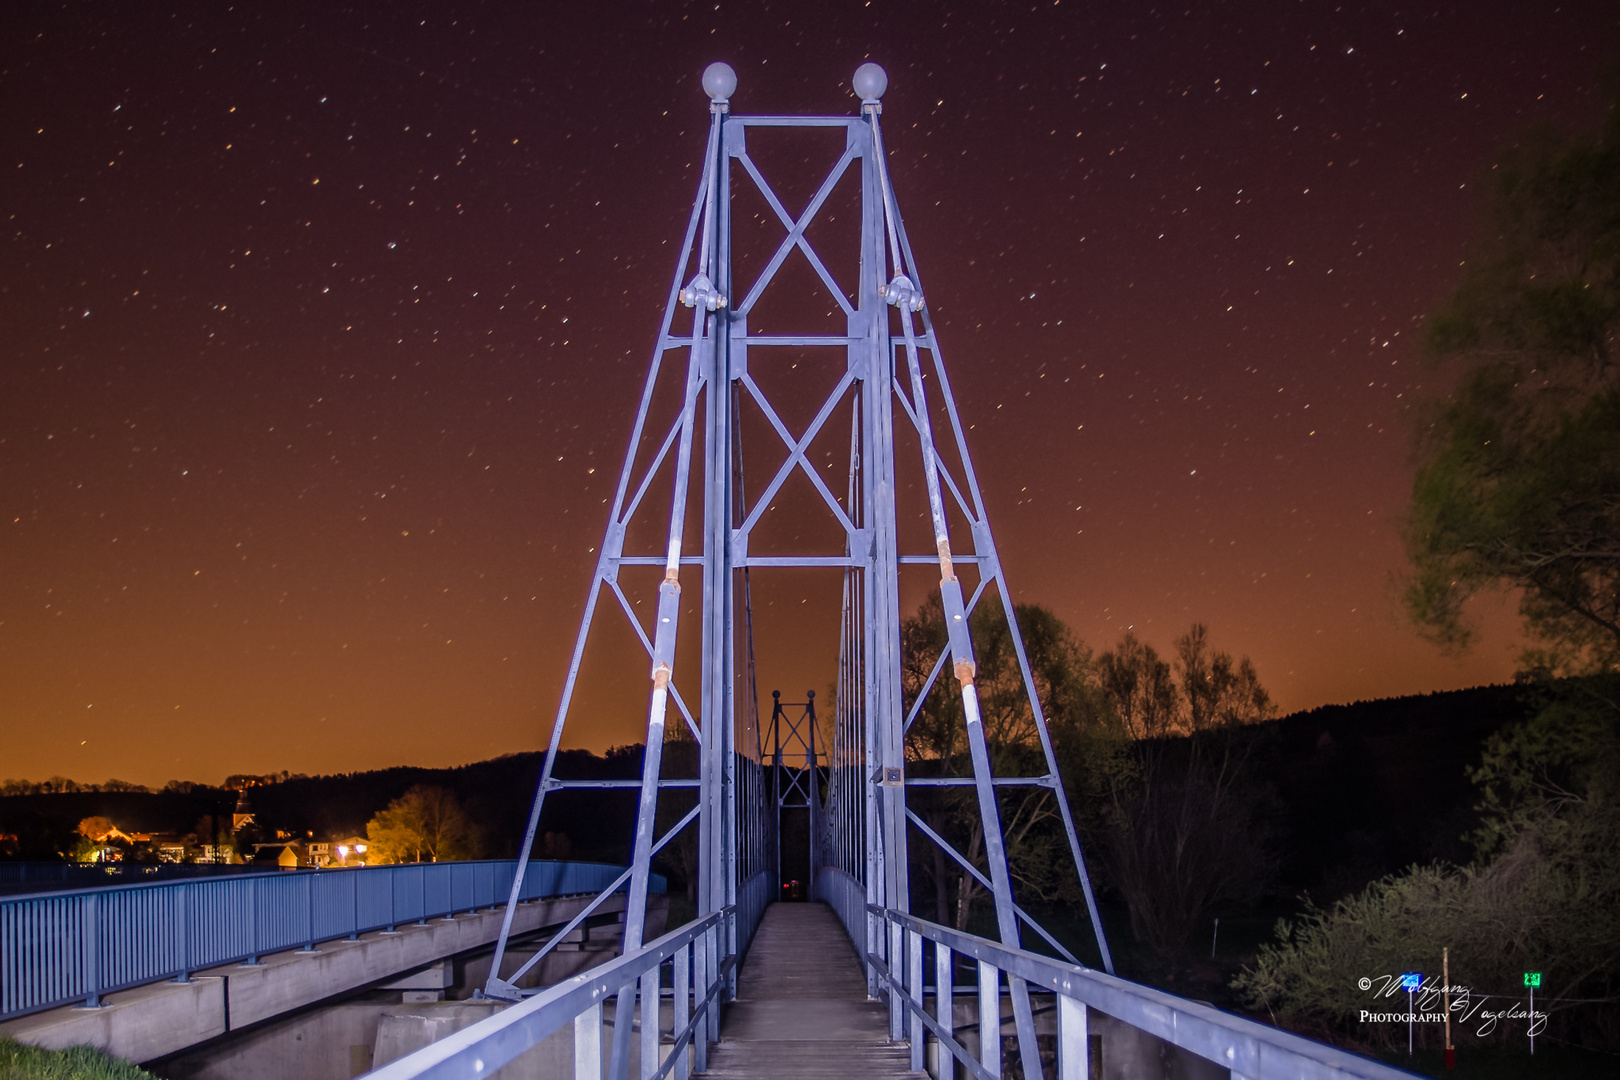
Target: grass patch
[(19, 1061)]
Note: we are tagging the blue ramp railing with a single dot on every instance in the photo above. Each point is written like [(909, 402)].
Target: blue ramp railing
[(72, 946)]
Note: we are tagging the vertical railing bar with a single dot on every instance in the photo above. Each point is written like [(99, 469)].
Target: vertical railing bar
[(914, 980), (944, 1002), (90, 944), (1074, 1052), (700, 986), (588, 1043), (251, 887), (182, 929), (711, 939), (895, 962), (309, 907), (990, 1018), (649, 1022), (681, 1001)]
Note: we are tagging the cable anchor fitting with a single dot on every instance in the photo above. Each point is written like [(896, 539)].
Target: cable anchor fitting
[(702, 291), (900, 292)]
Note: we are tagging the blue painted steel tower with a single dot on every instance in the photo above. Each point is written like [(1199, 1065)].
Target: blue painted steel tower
[(891, 411)]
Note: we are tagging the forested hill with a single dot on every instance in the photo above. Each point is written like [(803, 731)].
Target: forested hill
[(1370, 788)]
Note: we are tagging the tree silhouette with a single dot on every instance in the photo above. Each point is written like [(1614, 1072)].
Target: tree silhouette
[(426, 824)]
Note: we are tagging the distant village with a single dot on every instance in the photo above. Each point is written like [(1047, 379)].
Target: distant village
[(116, 825), (239, 842)]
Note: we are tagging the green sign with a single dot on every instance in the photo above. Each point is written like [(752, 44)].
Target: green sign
[(1532, 978)]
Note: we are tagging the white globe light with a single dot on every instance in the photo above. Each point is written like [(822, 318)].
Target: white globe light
[(719, 81), (870, 82)]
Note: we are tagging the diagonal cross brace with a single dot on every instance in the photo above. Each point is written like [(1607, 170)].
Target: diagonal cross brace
[(984, 882), (795, 236), (796, 449)]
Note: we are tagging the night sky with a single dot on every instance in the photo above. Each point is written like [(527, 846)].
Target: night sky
[(323, 330)]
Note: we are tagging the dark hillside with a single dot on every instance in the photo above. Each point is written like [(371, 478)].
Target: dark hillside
[(132, 811), (496, 793), (1366, 789), (1375, 786)]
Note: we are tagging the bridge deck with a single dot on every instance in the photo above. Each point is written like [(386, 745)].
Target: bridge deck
[(801, 1011)]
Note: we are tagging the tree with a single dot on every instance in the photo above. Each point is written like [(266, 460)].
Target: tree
[(426, 824), (1141, 686), (1077, 714), (1518, 486), (213, 831), (98, 837), (1189, 822), (1518, 478), (680, 760)]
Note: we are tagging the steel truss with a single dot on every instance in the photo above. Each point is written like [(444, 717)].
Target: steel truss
[(796, 775), (894, 378)]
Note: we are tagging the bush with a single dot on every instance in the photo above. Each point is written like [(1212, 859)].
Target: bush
[(1542, 896)]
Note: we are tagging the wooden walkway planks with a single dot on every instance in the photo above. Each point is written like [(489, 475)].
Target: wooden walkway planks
[(801, 1011)]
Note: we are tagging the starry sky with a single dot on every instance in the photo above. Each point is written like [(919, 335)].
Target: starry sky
[(324, 328)]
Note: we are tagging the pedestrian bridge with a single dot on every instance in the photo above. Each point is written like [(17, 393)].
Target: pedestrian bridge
[(835, 363)]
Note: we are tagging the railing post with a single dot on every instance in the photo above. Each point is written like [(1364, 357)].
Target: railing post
[(711, 939), (309, 908), (251, 885), (914, 981), (649, 1022), (895, 962), (700, 987), (624, 1022), (182, 932), (588, 1044), (1074, 1049), (732, 946), (944, 1007), (681, 1002), (990, 1018), (90, 948), (874, 942), (354, 902)]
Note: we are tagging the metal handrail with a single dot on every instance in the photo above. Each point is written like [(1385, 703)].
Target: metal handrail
[(1250, 1050), (17, 877), (75, 945), (700, 976)]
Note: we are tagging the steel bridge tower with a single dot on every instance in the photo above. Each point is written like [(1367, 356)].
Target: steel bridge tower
[(682, 529)]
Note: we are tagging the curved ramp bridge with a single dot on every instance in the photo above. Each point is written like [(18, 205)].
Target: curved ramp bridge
[(823, 354)]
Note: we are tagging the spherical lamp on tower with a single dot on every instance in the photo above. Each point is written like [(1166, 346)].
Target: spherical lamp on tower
[(719, 82), (870, 82)]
